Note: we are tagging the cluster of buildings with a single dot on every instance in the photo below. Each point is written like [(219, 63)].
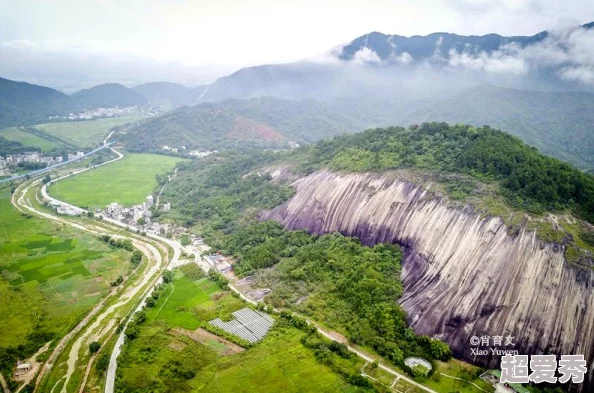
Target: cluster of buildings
[(172, 149), (132, 214), (200, 154), (78, 154), (97, 113), (183, 149), (219, 262), (14, 159), (65, 209)]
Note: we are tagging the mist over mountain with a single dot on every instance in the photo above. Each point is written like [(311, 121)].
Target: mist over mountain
[(169, 94), (557, 123), (381, 65), (108, 95)]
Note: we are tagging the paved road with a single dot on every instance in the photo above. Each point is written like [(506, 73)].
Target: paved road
[(20, 202), (177, 247)]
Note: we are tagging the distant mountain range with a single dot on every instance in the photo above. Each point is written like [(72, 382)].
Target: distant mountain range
[(24, 103), (387, 66), (376, 80), (557, 123), (169, 95), (108, 95), (259, 122)]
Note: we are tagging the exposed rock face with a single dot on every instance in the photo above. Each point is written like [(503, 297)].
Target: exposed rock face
[(463, 276)]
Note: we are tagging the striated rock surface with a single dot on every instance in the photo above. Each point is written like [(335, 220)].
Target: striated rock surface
[(463, 275)]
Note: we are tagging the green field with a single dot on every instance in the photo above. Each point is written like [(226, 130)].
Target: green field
[(50, 275), (85, 133), (458, 369), (189, 302), (28, 139), (127, 181), (160, 361)]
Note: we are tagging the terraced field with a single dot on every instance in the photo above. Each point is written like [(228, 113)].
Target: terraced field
[(49, 275)]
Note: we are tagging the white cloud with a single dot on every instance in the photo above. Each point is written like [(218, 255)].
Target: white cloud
[(365, 56), (571, 50), (581, 74)]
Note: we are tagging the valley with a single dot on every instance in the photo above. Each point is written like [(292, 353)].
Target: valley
[(353, 197)]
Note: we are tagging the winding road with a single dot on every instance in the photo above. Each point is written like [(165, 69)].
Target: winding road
[(98, 314)]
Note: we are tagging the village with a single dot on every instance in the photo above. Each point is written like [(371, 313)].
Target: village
[(97, 113), (140, 217), (9, 163)]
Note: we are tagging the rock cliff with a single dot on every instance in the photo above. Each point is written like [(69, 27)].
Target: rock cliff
[(463, 274)]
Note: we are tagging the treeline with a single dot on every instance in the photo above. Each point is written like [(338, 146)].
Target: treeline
[(126, 244), (220, 195), (328, 352), (349, 286), (529, 179), (8, 147)]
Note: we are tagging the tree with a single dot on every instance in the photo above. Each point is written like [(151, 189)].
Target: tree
[(440, 350), (47, 179), (102, 363), (141, 221), (374, 364), (185, 240), (136, 257), (94, 347), (419, 372), (150, 302), (167, 276)]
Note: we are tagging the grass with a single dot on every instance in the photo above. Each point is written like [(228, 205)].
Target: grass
[(50, 275), (28, 139), (458, 369), (187, 302), (127, 181), (279, 363), (85, 133)]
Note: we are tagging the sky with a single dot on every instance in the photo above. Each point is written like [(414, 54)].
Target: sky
[(197, 41)]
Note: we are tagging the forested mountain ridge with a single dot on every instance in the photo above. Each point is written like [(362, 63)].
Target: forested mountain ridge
[(108, 95), (24, 103), (261, 122), (170, 95), (559, 124)]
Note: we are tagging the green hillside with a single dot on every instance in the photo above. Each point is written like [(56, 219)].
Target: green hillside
[(559, 124), (259, 122)]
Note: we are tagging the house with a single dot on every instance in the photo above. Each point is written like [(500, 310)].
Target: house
[(22, 368), (166, 207), (149, 201)]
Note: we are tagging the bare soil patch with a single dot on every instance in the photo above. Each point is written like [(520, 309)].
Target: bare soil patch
[(203, 337)]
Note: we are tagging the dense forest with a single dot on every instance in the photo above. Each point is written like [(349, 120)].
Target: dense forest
[(528, 179)]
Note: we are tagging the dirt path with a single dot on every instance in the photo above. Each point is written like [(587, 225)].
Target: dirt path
[(202, 336), (4, 385), (19, 201), (28, 377)]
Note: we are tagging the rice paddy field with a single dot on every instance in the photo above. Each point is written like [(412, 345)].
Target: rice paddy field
[(127, 181), (86, 133), (50, 275), (28, 139), (159, 359)]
